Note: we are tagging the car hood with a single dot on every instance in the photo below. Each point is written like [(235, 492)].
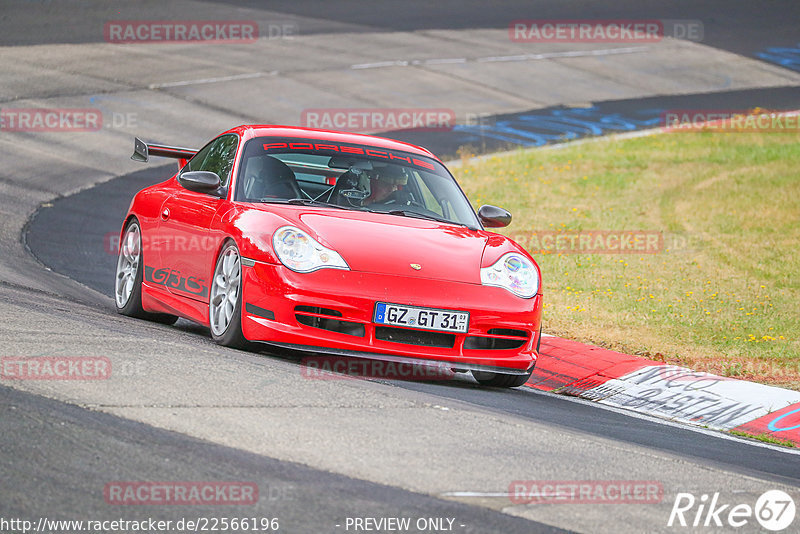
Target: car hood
[(396, 245)]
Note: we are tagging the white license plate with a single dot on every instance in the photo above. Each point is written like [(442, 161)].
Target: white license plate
[(424, 318)]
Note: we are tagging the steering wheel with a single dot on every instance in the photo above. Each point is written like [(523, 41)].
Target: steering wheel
[(401, 197), (349, 190)]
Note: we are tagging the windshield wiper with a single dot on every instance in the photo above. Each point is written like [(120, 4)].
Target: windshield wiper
[(418, 215)]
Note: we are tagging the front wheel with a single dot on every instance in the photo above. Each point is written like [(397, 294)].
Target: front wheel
[(499, 380), (225, 303)]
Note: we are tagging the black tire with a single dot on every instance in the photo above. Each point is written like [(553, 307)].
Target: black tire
[(133, 306), (232, 335), (499, 380)]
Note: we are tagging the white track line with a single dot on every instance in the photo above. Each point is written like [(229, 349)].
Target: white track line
[(567, 53), (478, 494), (502, 59), (380, 64), (182, 83)]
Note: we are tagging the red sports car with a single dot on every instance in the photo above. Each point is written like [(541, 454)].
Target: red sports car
[(332, 243)]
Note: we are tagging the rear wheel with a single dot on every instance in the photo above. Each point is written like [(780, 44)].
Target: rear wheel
[(225, 304), (128, 282)]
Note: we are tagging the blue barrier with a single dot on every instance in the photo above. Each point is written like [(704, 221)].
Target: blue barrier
[(785, 57), (537, 129)]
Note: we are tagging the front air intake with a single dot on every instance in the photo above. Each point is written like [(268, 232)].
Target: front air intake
[(311, 316)]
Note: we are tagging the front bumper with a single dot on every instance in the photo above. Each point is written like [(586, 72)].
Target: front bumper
[(331, 311)]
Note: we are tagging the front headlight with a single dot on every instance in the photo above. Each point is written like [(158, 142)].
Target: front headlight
[(513, 272), (302, 253)]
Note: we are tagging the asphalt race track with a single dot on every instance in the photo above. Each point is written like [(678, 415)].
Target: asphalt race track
[(61, 237), (180, 408), (137, 451)]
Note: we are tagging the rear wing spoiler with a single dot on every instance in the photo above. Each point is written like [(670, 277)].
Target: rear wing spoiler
[(142, 152)]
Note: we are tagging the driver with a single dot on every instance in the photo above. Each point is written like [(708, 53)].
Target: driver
[(386, 185)]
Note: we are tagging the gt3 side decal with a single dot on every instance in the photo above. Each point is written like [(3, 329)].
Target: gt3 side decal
[(172, 278)]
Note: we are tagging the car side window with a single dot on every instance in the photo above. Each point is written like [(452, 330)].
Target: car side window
[(217, 157)]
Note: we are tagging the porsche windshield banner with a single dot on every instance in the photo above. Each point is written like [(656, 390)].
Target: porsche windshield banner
[(317, 146)]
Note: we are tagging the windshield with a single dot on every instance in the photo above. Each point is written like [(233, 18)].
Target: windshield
[(350, 176)]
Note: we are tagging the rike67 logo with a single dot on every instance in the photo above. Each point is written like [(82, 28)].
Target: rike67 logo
[(774, 510)]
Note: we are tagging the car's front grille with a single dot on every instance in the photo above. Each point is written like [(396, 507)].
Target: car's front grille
[(317, 310), (310, 316), (507, 332), (415, 337), (515, 339)]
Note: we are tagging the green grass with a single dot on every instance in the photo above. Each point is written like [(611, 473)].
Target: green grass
[(766, 438), (723, 296)]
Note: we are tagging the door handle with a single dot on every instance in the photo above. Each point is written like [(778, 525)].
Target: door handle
[(165, 214)]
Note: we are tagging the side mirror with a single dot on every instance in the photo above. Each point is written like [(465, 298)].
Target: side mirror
[(201, 182), (494, 217)]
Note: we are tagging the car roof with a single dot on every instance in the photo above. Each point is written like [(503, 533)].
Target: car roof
[(248, 131)]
